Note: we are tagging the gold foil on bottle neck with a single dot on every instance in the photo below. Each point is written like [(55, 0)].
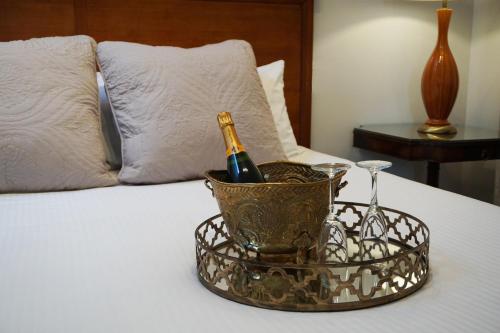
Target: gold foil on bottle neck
[(224, 119), (233, 144)]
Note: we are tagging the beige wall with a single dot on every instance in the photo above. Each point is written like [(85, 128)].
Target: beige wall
[(368, 60), (483, 95)]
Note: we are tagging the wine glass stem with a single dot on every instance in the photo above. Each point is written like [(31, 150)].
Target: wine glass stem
[(374, 201), (332, 196)]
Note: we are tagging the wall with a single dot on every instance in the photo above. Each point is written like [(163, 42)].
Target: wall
[(483, 101), (367, 65)]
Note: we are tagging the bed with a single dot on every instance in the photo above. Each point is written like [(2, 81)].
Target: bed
[(122, 258)]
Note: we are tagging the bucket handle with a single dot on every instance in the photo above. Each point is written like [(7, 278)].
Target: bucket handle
[(209, 186), (341, 186)]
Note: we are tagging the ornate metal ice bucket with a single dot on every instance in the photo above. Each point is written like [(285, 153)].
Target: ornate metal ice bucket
[(282, 215)]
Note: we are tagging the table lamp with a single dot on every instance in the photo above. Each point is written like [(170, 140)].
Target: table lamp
[(440, 79)]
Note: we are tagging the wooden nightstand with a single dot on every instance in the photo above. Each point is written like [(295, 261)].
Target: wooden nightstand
[(403, 141)]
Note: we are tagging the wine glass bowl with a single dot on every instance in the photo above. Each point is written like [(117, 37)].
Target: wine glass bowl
[(332, 242), (373, 230), (373, 240)]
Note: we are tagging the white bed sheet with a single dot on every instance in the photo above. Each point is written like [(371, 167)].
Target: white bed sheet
[(122, 259)]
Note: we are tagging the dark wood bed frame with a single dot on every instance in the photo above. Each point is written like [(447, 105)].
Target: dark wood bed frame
[(277, 29)]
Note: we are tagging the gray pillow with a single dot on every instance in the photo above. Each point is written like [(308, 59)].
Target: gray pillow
[(50, 134), (165, 101)]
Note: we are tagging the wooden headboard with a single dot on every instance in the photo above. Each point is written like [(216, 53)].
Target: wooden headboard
[(277, 29)]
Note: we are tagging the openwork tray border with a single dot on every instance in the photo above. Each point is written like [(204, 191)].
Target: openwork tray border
[(296, 285)]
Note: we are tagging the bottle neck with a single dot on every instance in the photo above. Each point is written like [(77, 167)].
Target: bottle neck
[(233, 144)]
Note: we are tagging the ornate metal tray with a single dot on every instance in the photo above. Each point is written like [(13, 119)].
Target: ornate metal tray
[(297, 282)]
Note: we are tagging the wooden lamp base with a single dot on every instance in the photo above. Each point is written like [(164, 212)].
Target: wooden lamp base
[(440, 81)]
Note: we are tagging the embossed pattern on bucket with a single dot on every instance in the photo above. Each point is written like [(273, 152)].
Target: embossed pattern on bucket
[(279, 216)]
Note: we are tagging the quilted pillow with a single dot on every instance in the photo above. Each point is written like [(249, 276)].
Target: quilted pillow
[(50, 135), (166, 99), (271, 77)]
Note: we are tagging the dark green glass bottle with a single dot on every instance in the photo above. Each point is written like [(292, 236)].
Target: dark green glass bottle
[(240, 167)]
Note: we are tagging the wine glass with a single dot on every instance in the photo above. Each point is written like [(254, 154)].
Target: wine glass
[(373, 241), (373, 230), (332, 243)]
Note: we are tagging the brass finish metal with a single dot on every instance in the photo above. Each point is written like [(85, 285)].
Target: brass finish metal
[(300, 283), (283, 215), (428, 129)]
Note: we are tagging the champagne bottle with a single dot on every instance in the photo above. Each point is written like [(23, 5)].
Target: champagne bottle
[(240, 167)]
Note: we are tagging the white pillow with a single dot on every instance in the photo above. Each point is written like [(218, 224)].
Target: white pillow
[(271, 76)]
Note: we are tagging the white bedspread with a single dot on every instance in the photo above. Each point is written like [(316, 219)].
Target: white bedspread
[(122, 260)]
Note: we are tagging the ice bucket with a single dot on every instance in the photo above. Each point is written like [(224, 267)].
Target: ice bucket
[(282, 215)]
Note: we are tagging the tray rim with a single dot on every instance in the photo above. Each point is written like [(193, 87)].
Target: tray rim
[(332, 307), (346, 306), (406, 250)]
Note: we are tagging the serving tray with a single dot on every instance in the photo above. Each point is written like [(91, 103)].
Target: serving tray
[(298, 282)]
